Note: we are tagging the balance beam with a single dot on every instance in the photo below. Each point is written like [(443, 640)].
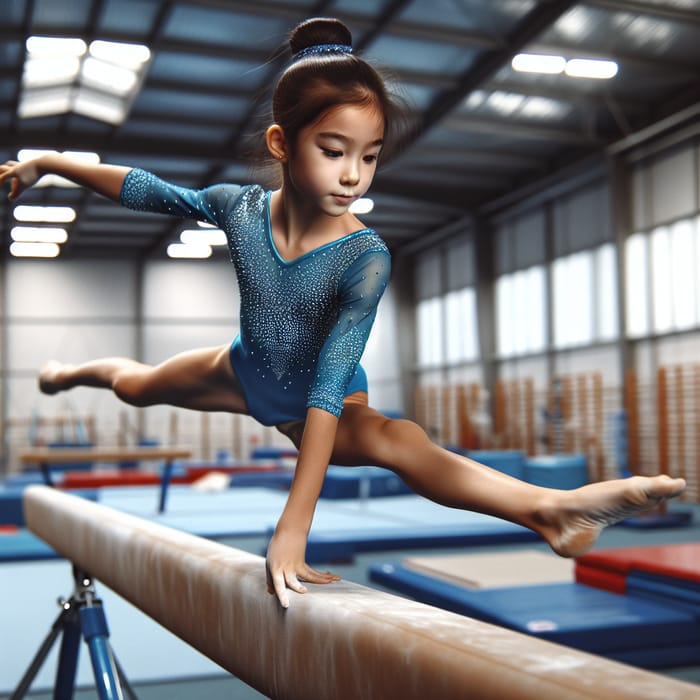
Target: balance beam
[(70, 455), (339, 641), (45, 456)]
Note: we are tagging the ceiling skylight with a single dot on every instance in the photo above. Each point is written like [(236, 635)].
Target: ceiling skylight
[(63, 75)]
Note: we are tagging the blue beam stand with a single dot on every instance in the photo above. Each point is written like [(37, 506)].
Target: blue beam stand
[(94, 626), (82, 616)]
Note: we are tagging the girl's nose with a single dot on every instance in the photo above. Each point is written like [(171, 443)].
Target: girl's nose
[(351, 174)]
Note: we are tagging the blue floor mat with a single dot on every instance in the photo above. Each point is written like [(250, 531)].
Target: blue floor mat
[(674, 591), (476, 530), (24, 546)]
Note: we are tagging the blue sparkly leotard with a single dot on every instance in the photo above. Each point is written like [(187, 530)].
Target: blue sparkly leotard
[(304, 322)]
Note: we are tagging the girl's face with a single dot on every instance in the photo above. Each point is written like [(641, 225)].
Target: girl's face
[(335, 158)]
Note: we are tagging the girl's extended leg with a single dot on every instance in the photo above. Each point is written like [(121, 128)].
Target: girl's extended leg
[(569, 521), (199, 379)]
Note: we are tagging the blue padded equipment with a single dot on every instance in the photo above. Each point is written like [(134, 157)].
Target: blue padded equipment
[(336, 544), (557, 471), (511, 462), (24, 546), (362, 482), (665, 589), (11, 506), (630, 629)]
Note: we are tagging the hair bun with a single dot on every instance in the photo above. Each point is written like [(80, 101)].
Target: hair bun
[(321, 30)]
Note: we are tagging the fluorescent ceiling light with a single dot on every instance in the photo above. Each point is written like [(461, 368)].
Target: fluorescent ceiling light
[(97, 105), (108, 76), (505, 103), (131, 56), (538, 63), (192, 251), (45, 102), (574, 68), (50, 215), (476, 99), (38, 234), (99, 81), (591, 68), (51, 46), (207, 236), (51, 70), (576, 24), (87, 157), (364, 205), (34, 250), (542, 108)]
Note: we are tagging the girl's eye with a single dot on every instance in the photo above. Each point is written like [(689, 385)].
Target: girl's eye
[(370, 159), (332, 154)]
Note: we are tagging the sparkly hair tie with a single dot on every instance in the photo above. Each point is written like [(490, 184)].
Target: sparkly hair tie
[(322, 50)]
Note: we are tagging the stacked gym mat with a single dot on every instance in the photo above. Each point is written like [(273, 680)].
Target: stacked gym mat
[(655, 625)]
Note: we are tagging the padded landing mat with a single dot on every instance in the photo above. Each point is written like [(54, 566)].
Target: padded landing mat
[(635, 630), (610, 568), (496, 570), (410, 522)]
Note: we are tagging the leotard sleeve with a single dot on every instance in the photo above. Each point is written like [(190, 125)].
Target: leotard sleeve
[(360, 290), (144, 191)]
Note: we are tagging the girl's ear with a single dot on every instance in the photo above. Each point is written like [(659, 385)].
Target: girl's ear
[(276, 143)]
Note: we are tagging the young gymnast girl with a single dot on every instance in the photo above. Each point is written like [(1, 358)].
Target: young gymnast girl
[(311, 276)]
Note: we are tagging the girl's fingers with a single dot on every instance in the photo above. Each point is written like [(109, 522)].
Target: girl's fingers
[(312, 576), (280, 589), (293, 583), (279, 582)]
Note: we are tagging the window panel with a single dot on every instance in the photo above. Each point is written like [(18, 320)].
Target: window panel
[(520, 312), (573, 300), (537, 290), (682, 273), (461, 327), (504, 314), (661, 281), (430, 332), (696, 258), (606, 286), (637, 285)]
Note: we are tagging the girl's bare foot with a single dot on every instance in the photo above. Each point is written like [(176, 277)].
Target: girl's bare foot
[(51, 376), (572, 521)]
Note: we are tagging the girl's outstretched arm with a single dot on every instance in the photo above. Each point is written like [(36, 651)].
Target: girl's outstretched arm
[(286, 553), (104, 179)]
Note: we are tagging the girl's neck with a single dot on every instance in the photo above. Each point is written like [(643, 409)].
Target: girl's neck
[(297, 228)]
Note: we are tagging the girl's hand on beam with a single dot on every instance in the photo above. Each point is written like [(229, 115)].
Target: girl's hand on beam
[(286, 566)]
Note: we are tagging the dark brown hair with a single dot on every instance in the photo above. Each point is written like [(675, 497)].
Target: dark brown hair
[(316, 82)]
